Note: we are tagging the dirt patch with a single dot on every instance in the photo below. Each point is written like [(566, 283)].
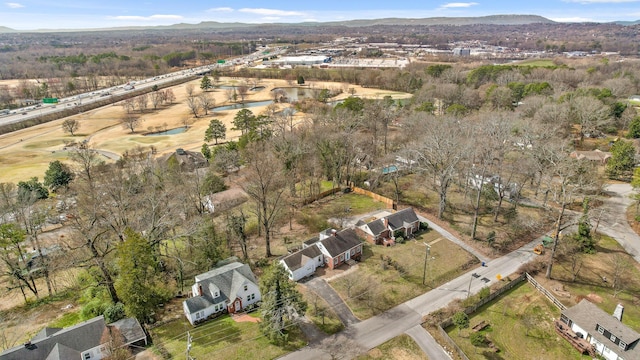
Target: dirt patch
[(244, 318), (594, 298)]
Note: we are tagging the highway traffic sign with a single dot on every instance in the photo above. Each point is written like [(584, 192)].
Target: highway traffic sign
[(50, 100)]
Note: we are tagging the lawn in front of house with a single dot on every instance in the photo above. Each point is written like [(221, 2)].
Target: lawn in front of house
[(320, 313), (388, 276), (399, 348), (221, 338), (520, 327)]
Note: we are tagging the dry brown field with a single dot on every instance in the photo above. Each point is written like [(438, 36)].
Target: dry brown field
[(27, 153)]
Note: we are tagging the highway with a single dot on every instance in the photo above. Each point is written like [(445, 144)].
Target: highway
[(37, 110)]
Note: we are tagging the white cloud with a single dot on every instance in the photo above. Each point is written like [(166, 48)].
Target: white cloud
[(458, 5), (14, 5), (146, 18), (220, 9), (271, 12), (585, 2)]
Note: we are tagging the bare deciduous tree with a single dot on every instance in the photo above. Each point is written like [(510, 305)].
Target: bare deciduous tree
[(70, 125)]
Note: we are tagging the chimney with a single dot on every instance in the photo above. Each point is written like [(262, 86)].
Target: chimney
[(617, 313), (386, 222), (334, 232), (199, 290)]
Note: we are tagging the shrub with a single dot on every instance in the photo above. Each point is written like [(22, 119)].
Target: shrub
[(114, 313), (400, 240), (484, 293), (424, 226)]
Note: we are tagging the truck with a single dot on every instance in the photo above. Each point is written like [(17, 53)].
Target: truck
[(129, 87)]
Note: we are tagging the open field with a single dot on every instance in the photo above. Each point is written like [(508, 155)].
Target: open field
[(521, 327), (388, 276), (27, 153), (399, 348), (535, 63), (222, 338)]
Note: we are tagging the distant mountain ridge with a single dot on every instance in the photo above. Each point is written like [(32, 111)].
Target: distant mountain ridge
[(455, 21)]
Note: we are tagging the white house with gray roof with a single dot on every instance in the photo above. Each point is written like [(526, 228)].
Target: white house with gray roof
[(230, 288), (303, 263), (79, 342), (612, 339)]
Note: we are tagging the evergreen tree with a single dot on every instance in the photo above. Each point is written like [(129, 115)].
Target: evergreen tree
[(137, 284), (216, 130), (461, 320), (583, 236), (205, 84), (206, 152), (245, 121), (634, 128), (622, 161), (281, 303), (57, 175), (31, 190)]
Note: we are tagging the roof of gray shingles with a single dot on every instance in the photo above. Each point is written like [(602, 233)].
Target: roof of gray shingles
[(341, 242), (80, 337), (296, 260), (228, 279), (587, 315), (399, 218)]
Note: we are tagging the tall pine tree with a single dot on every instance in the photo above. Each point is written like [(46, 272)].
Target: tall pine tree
[(281, 303)]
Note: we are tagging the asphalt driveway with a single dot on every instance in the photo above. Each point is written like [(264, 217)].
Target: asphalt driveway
[(325, 291)]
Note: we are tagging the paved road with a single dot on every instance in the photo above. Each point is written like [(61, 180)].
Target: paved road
[(367, 334), (427, 343), (613, 221), (320, 287)]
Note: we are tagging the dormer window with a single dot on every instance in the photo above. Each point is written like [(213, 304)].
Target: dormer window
[(600, 329), (613, 338), (215, 295), (623, 345)]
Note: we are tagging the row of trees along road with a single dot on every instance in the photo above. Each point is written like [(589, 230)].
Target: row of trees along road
[(457, 133)]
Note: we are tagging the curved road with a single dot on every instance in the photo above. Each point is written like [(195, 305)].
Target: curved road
[(613, 221)]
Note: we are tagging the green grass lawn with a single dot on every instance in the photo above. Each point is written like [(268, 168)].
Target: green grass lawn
[(222, 338), (521, 327), (399, 348), (388, 276), (535, 63)]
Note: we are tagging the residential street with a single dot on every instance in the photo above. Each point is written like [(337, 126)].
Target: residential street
[(407, 317), (360, 337), (614, 222)]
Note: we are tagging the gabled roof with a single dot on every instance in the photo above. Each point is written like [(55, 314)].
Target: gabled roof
[(45, 332), (399, 218), (131, 329), (81, 337), (340, 242), (61, 352), (296, 260), (588, 315), (228, 279), (376, 227)]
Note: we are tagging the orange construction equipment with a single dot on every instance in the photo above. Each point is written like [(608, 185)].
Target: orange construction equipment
[(539, 249)]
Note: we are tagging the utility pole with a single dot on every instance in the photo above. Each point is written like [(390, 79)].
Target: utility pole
[(426, 259), (189, 339)]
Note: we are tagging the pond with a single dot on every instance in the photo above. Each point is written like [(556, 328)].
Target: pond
[(178, 130), (292, 94)]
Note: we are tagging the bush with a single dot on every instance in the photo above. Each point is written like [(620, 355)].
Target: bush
[(400, 240), (484, 293), (114, 313), (424, 226)]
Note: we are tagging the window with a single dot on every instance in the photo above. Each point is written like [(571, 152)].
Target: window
[(600, 329), (613, 338), (198, 315), (248, 297), (245, 288), (215, 295), (87, 356), (623, 345), (253, 296)]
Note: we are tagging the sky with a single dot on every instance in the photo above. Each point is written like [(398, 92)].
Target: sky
[(79, 14)]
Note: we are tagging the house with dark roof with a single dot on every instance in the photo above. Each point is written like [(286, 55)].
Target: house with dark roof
[(383, 231), (303, 263), (610, 338), (229, 288), (83, 341), (339, 247)]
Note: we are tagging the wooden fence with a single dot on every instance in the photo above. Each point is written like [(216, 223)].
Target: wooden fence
[(389, 202), (471, 309), (319, 196), (546, 292)]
